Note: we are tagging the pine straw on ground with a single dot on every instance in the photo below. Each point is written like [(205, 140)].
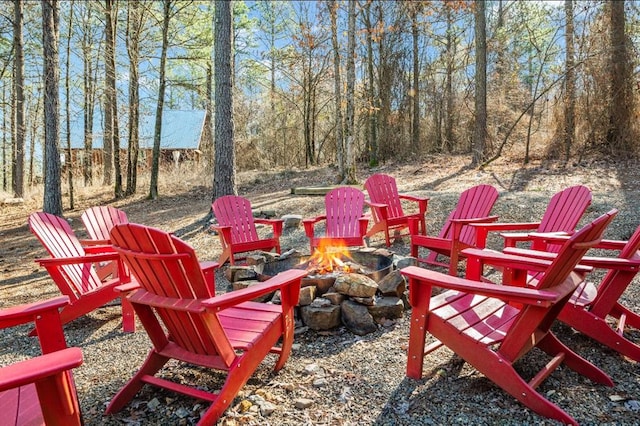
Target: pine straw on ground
[(364, 377)]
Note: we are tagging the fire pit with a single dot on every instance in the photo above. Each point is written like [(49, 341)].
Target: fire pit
[(374, 263), (357, 288)]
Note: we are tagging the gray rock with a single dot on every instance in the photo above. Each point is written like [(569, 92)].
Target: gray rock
[(302, 403), (406, 261), (238, 285), (356, 285), (240, 273), (393, 284), (307, 294), (386, 308), (367, 301), (321, 302), (321, 318), (291, 220), (256, 259), (357, 318), (335, 298)]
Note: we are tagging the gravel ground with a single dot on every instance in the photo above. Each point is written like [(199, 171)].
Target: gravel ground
[(350, 379)]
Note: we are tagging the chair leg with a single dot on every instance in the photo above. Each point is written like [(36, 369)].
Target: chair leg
[(417, 339), (598, 329), (128, 316), (552, 346), (502, 373), (632, 319), (287, 341), (239, 373), (226, 255), (150, 367)]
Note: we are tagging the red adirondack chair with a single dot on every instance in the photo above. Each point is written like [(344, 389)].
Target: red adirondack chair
[(344, 220), (72, 268), (186, 322), (99, 220), (386, 207), (591, 305), (40, 390), (562, 214), (237, 229), (474, 206), (491, 326)]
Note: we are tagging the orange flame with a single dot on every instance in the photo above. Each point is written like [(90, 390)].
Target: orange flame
[(328, 257)]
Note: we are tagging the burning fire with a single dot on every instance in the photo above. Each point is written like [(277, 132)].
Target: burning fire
[(328, 257)]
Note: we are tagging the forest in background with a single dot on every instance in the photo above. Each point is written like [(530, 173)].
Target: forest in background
[(323, 82)]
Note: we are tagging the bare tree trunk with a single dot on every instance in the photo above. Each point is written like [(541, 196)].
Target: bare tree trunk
[(384, 91), (112, 103), (224, 176), (20, 128), (134, 28), (52, 191), (448, 124), (621, 100), (372, 136), (207, 133), (4, 137), (570, 82), (89, 96), (157, 135), (480, 132), (35, 125), (337, 88), (69, 159), (109, 69), (415, 128), (350, 163)]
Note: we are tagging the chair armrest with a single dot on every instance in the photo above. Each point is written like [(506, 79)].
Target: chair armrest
[(23, 314), (276, 224), (225, 233), (91, 258), (619, 264), (459, 223), (422, 201), (483, 229), (291, 277), (538, 254), (209, 265), (309, 224), (561, 237), (503, 260), (611, 244), (38, 368), (128, 287), (90, 243), (529, 296), (99, 248), (381, 211)]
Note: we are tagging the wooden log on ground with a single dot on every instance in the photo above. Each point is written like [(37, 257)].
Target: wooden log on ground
[(318, 190)]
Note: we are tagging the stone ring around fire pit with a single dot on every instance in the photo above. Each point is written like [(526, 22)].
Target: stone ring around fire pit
[(363, 292)]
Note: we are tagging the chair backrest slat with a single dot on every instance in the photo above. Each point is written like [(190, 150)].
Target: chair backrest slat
[(168, 268), (559, 277), (59, 240), (235, 211), (382, 189), (99, 220), (474, 202), (344, 206)]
